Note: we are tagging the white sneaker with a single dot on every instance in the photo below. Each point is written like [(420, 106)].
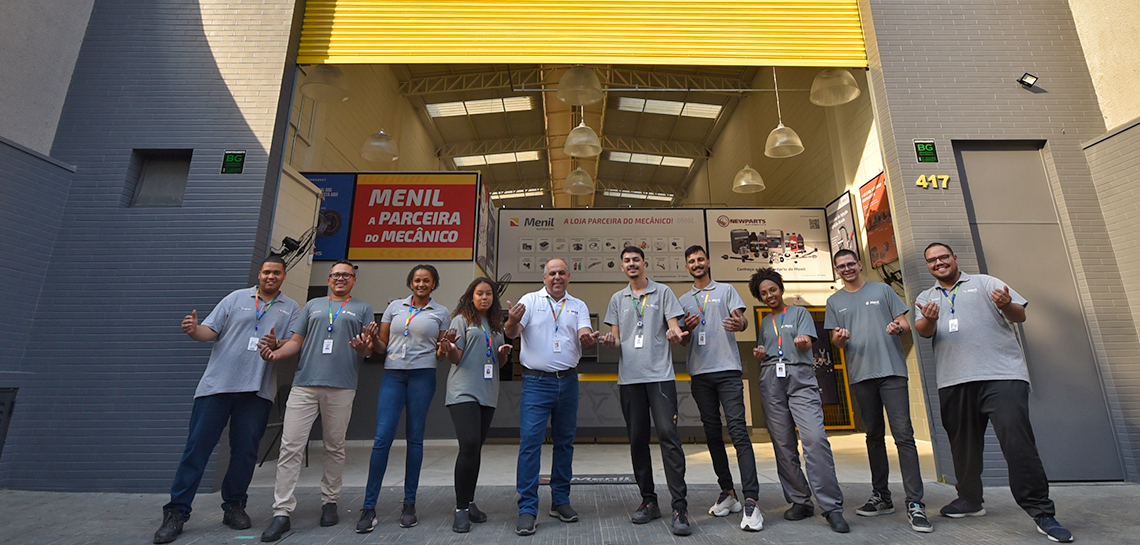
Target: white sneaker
[(726, 503), (752, 521)]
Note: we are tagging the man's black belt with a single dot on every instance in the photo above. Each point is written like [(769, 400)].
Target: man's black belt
[(555, 374)]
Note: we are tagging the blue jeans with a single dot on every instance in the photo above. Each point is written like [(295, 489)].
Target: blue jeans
[(247, 416), (554, 400), (399, 390)]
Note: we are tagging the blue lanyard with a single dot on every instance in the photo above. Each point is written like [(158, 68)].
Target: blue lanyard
[(487, 335), (257, 312), (413, 315), (951, 295)]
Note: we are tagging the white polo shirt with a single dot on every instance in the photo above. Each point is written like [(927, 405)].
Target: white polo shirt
[(538, 334)]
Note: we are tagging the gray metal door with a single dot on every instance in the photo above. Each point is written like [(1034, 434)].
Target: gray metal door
[(1019, 240)]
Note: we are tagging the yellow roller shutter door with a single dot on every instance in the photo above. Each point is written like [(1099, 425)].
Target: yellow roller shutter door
[(694, 32)]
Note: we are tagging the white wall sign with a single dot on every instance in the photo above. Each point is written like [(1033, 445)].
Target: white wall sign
[(792, 241)]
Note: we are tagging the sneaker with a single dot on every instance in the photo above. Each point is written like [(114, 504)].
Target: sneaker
[(725, 503), (328, 515), (564, 513), (279, 526), (799, 512), (875, 506), (462, 523), (525, 527), (961, 508), (916, 514), (367, 521), (408, 516), (838, 524), (171, 526), (681, 523), (235, 517), (646, 512), (752, 521), (474, 514), (1053, 529)]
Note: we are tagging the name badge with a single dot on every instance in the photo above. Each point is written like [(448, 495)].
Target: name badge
[(781, 370), (557, 346), (953, 323), (403, 351), (701, 338), (253, 344), (327, 347), (489, 371), (638, 341)]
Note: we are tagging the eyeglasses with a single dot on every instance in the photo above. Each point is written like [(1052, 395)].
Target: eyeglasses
[(944, 258), (846, 266), (341, 276)]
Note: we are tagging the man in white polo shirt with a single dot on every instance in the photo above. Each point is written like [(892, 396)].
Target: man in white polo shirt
[(555, 327)]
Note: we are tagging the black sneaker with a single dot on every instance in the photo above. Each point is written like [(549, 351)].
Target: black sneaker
[(799, 512), (408, 516), (525, 527), (367, 521), (681, 523), (838, 524), (564, 513), (235, 517), (475, 515), (1053, 529), (279, 526), (328, 515), (646, 512), (875, 506), (171, 526), (961, 508), (916, 514), (462, 523)]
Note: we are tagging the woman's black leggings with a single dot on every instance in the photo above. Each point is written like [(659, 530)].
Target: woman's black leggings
[(472, 421)]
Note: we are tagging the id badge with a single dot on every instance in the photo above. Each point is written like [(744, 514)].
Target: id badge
[(557, 346), (327, 347), (489, 370), (953, 323), (253, 344), (638, 341), (403, 351), (781, 370), (701, 338)]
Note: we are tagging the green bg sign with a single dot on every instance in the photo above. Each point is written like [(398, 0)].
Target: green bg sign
[(233, 161), (924, 151)]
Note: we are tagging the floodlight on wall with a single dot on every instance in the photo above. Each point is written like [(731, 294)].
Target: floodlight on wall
[(832, 87), (380, 147), (748, 181), (325, 83), (579, 86), (782, 141), (1027, 80), (578, 182), (583, 142)]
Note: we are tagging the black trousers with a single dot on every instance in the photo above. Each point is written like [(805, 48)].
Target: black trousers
[(659, 399), (711, 392), (472, 421), (966, 408)]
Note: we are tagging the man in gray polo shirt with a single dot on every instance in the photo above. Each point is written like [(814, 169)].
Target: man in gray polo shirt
[(643, 319), (983, 378), (866, 319)]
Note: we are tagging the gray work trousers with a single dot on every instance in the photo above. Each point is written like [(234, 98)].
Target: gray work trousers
[(793, 402)]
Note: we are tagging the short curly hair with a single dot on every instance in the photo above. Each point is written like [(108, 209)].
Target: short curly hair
[(767, 273)]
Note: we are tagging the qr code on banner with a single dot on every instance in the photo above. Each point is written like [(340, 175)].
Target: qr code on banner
[(813, 224)]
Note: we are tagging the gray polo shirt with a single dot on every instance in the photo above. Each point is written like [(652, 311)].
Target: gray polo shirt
[(794, 322), (653, 362), (719, 352), (233, 367), (871, 352), (985, 347), (538, 334), (466, 381), (416, 350), (338, 369)]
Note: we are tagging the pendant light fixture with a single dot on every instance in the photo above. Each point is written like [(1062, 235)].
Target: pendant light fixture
[(578, 182), (748, 181), (380, 147), (583, 141), (325, 83), (579, 86), (783, 142), (832, 87)]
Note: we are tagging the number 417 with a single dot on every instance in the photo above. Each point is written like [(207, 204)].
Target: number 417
[(932, 181)]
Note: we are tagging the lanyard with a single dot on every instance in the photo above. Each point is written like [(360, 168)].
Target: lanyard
[(640, 310), (332, 317), (702, 306), (487, 335), (779, 338), (412, 314), (258, 314), (556, 315), (951, 295)]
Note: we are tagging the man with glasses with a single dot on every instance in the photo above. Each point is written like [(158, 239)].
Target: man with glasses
[(333, 336), (982, 377), (866, 319)]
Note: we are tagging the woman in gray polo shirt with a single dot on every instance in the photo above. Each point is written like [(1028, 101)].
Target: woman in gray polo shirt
[(474, 346), (410, 331)]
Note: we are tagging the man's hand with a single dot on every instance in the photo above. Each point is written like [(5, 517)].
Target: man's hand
[(691, 321), (610, 340), (760, 352), (930, 311), (802, 342), (269, 339), (734, 323), (1001, 297), (840, 336), (515, 311), (190, 323), (267, 352), (588, 338), (674, 335), (893, 328)]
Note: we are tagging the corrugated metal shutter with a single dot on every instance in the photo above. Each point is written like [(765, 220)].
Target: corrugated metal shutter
[(693, 32)]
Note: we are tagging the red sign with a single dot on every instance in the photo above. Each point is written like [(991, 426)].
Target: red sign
[(414, 217), (878, 224)]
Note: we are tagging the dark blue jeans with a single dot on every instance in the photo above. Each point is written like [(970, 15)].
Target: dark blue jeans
[(400, 390), (554, 400), (246, 415)]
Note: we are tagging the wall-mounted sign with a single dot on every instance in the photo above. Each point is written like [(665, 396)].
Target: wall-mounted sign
[(877, 220), (841, 225), (792, 241), (414, 216), (925, 152), (486, 233), (233, 161), (335, 214)]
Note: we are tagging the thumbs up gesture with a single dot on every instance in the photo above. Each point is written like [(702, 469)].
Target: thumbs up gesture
[(190, 323)]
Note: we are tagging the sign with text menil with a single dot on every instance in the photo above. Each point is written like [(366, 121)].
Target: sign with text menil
[(791, 240), (414, 216)]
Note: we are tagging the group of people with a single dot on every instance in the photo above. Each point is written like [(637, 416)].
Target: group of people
[(982, 378)]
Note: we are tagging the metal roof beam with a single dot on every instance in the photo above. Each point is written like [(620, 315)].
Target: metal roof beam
[(613, 79), (690, 150)]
